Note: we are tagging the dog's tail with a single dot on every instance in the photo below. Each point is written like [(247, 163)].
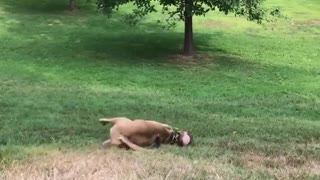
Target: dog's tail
[(112, 121)]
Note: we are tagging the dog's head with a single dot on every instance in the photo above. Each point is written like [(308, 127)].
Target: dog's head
[(181, 138)]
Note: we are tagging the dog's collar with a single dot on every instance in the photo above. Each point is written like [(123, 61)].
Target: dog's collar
[(174, 137)]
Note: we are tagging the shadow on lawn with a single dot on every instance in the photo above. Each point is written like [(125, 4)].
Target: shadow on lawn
[(113, 40), (137, 48), (44, 6)]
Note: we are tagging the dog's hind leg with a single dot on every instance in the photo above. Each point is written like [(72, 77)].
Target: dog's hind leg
[(131, 145), (112, 121)]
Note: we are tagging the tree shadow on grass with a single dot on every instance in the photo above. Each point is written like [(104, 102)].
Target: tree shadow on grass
[(135, 48), (43, 6), (97, 38)]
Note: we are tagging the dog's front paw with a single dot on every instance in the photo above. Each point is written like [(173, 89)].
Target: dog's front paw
[(156, 143)]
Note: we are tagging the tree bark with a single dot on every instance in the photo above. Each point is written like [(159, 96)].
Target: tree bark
[(188, 29), (72, 5)]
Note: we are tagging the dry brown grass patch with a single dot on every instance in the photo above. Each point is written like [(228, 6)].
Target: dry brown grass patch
[(282, 167), (116, 164)]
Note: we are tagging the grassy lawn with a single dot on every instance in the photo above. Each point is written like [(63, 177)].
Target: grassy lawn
[(251, 99)]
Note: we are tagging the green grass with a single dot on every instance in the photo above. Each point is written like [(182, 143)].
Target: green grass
[(257, 90)]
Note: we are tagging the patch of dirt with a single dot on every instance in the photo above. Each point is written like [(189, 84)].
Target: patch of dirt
[(281, 167), (313, 22), (2, 11), (301, 13), (212, 59), (198, 58), (216, 24), (71, 12), (252, 30)]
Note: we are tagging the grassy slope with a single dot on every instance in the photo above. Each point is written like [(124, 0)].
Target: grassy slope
[(257, 92)]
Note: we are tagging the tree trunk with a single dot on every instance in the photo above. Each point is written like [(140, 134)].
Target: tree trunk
[(188, 30), (72, 5)]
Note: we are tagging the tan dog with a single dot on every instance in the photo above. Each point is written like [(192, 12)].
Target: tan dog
[(138, 134)]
